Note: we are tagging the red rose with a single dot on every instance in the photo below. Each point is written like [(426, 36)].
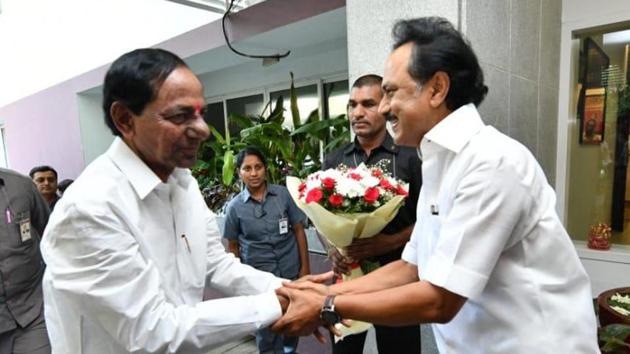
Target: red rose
[(371, 195), (385, 184), (335, 200), (377, 173), (314, 195), (328, 183), (401, 191), (302, 187), (354, 176)]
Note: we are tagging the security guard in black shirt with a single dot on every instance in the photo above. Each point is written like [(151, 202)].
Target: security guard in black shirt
[(373, 145)]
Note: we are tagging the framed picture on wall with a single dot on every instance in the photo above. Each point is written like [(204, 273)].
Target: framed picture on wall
[(592, 124), (592, 102)]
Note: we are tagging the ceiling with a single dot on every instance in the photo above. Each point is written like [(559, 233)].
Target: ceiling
[(297, 37)]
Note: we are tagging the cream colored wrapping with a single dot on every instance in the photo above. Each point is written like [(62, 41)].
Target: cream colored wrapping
[(340, 229)]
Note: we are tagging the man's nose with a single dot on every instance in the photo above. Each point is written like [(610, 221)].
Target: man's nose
[(357, 112), (198, 129), (383, 107)]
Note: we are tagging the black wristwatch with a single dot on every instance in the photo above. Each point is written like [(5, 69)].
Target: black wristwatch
[(328, 313)]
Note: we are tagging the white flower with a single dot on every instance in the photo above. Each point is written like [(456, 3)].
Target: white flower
[(369, 181), (350, 188), (313, 183)]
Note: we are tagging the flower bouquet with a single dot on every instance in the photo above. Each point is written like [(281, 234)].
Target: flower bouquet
[(347, 203)]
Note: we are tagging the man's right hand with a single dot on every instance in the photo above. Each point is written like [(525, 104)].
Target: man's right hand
[(341, 265)]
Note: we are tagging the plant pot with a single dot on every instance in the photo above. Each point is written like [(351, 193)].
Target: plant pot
[(606, 314)]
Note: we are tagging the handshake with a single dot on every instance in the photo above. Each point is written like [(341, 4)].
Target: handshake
[(307, 305)]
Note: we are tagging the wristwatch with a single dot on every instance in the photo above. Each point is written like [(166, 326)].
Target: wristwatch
[(328, 313)]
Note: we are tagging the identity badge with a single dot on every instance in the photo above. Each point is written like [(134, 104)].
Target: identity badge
[(24, 220), (284, 226)]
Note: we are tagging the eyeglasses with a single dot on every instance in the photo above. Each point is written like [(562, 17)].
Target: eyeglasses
[(259, 212)]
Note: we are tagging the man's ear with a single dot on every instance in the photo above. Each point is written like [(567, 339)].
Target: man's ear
[(122, 118), (440, 84)]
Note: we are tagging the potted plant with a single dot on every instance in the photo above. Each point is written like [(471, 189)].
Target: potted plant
[(289, 151), (614, 317)]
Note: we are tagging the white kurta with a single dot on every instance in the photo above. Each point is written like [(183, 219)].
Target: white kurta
[(121, 278), (487, 230)]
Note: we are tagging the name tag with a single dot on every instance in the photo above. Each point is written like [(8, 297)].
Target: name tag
[(24, 220), (283, 226)]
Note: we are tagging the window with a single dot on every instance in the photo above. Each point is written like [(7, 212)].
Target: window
[(244, 106), (336, 95), (598, 176), (333, 103), (3, 152), (215, 116), (247, 105), (307, 102)]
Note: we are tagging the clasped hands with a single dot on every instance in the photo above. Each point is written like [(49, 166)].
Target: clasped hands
[(301, 302)]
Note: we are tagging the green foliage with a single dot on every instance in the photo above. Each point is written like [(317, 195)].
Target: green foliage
[(613, 337), (289, 152)]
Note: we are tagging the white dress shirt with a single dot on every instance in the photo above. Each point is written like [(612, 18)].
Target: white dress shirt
[(127, 259), (487, 230)]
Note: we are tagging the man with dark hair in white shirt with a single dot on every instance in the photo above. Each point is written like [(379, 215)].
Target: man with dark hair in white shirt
[(131, 245), (489, 262)]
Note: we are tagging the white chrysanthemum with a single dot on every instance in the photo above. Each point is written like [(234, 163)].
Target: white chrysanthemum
[(332, 173), (348, 187), (369, 181), (313, 183)]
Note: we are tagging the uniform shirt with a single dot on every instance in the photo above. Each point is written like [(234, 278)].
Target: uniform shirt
[(21, 266), (488, 231), (128, 256), (402, 163), (256, 226)]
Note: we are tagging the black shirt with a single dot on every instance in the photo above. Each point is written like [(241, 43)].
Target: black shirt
[(21, 266), (404, 164)]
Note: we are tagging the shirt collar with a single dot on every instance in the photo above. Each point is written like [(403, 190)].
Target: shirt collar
[(456, 129), (245, 195), (387, 144), (141, 177)]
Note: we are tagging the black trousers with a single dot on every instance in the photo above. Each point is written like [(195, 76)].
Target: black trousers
[(389, 340)]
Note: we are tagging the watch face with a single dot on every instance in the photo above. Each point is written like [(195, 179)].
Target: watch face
[(330, 317)]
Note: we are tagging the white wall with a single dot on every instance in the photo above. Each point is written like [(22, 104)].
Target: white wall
[(45, 42)]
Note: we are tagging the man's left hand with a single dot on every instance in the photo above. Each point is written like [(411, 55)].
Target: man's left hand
[(302, 316), (373, 246)]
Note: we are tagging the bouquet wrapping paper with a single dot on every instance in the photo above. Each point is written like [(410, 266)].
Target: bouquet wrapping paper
[(341, 228)]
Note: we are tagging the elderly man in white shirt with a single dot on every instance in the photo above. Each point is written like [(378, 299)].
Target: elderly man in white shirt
[(489, 261), (131, 245)]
